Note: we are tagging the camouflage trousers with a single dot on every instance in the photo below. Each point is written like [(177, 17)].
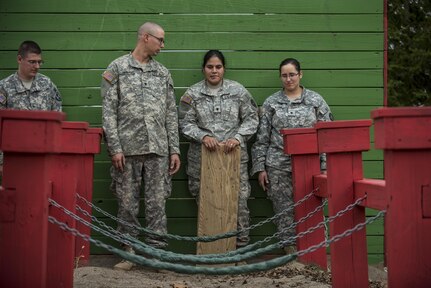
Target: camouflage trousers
[(126, 186), (280, 192), (243, 211)]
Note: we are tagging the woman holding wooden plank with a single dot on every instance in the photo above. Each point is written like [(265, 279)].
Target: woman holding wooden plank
[(219, 112)]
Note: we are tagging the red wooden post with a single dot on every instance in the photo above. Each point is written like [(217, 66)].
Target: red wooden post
[(74, 175), (28, 139), (343, 141), (65, 173), (405, 134), (91, 146), (302, 145)]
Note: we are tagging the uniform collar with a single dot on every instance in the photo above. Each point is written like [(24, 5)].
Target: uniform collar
[(204, 89), (282, 98), (134, 63), (19, 87)]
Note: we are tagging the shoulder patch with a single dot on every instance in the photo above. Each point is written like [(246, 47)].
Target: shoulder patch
[(108, 76), (186, 99)]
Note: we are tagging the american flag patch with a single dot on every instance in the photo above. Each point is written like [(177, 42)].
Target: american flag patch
[(108, 76), (186, 99)]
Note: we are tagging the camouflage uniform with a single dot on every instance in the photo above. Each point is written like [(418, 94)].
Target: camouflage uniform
[(230, 112), (43, 95), (140, 120), (279, 112)]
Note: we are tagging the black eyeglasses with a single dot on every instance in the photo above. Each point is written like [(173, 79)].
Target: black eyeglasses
[(34, 62), (161, 40)]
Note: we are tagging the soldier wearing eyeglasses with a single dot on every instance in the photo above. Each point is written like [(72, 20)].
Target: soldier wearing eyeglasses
[(140, 122), (294, 106), (27, 89)]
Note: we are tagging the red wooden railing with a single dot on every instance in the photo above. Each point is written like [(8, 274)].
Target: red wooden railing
[(44, 157), (405, 136)]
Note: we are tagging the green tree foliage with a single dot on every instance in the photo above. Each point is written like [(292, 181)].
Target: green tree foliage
[(409, 52)]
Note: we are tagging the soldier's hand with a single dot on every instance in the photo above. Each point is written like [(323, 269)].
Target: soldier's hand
[(118, 160), (263, 180), (210, 143), (174, 164), (230, 145)]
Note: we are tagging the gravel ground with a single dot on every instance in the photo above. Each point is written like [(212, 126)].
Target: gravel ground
[(99, 273)]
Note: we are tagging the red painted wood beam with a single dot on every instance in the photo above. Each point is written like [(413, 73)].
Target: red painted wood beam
[(374, 190)]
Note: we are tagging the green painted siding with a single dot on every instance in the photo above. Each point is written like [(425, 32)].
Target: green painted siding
[(338, 42)]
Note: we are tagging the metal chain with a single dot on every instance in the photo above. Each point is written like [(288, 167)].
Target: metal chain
[(265, 265), (337, 237), (157, 253), (243, 250), (294, 224), (202, 238), (161, 254), (250, 247), (325, 222), (115, 236)]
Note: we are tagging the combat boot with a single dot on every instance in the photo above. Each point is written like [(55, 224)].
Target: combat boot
[(126, 265), (289, 249)]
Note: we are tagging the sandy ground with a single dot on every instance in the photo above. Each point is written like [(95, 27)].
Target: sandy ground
[(99, 273)]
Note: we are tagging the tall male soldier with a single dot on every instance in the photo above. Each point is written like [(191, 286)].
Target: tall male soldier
[(140, 122)]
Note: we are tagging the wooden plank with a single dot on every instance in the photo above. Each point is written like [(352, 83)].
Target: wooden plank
[(93, 115), (373, 169), (193, 22), (193, 6), (218, 199), (248, 78), (376, 228), (102, 189), (188, 226), (193, 59), (375, 190), (174, 207), (373, 154), (183, 207), (200, 40), (333, 96), (179, 189)]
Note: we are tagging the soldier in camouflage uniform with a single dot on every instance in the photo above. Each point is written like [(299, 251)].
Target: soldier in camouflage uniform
[(27, 89), (216, 111), (292, 107), (140, 122)]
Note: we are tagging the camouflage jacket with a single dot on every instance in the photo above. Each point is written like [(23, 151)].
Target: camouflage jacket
[(43, 94), (229, 113), (139, 113), (279, 112)]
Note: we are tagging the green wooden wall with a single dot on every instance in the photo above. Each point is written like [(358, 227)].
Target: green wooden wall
[(339, 43)]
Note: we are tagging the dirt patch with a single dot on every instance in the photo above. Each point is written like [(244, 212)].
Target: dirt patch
[(99, 273)]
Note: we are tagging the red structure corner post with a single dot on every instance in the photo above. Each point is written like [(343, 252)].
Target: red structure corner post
[(301, 144), (405, 136), (91, 146), (30, 140), (343, 142)]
